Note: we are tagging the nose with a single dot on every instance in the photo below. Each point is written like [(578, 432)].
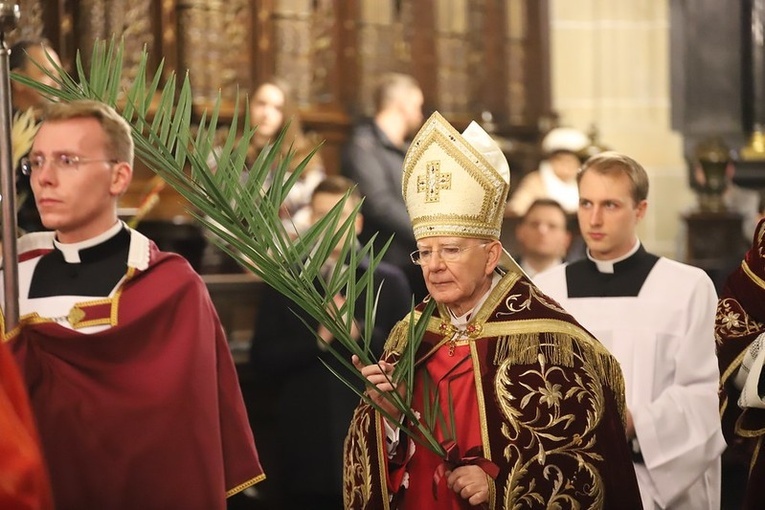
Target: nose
[(45, 174), (435, 262), (596, 215)]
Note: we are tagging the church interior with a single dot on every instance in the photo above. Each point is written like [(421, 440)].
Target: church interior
[(654, 79)]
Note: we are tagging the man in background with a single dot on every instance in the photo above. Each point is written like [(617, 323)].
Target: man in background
[(656, 316), (374, 159), (543, 236), (312, 408), (556, 176)]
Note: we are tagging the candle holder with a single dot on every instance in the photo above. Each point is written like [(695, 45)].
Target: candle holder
[(714, 163)]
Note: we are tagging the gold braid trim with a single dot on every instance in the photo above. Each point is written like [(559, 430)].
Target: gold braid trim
[(249, 483), (747, 432), (398, 337), (562, 348), (755, 454), (752, 275), (524, 349)]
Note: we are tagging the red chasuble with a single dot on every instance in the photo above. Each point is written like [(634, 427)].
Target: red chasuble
[(537, 396), (448, 376), (146, 414), (739, 321), (23, 480)]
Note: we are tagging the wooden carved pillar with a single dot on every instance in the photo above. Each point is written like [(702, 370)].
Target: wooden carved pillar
[(453, 46), (491, 58), (166, 34), (312, 42), (214, 42), (376, 48), (536, 75), (425, 63), (264, 48), (528, 85), (347, 79)]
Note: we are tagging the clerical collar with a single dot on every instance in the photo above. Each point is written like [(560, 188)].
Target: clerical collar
[(73, 252), (461, 321), (607, 266)]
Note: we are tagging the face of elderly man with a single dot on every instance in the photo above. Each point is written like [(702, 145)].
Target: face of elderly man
[(458, 270)]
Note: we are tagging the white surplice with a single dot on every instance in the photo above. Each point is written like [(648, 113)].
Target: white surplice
[(664, 340)]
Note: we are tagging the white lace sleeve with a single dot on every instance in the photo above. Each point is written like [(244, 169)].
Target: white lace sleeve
[(748, 377), (392, 438)]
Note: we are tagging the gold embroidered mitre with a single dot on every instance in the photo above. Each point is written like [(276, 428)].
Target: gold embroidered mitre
[(455, 184)]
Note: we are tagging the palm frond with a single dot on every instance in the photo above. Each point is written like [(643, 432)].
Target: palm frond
[(240, 205)]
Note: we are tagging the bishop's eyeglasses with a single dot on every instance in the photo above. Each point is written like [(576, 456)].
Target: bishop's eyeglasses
[(445, 253), (59, 162)]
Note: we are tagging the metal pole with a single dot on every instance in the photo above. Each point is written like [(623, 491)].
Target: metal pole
[(9, 17), (757, 44)]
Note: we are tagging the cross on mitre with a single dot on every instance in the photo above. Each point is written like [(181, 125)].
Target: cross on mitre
[(433, 181)]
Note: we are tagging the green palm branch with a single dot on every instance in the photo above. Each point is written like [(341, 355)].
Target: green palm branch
[(244, 213)]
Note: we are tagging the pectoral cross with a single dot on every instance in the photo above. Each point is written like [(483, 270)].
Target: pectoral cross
[(433, 181)]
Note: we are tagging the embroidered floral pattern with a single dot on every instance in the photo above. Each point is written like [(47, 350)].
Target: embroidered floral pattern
[(732, 321), (357, 474), (518, 302), (555, 462), (551, 394)]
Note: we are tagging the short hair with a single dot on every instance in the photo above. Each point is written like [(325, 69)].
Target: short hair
[(611, 162), (338, 185), (19, 58), (390, 87), (117, 130), (546, 202)]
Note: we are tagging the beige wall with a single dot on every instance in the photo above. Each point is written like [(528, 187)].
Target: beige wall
[(610, 66)]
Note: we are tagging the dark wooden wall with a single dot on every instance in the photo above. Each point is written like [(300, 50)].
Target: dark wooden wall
[(479, 56)]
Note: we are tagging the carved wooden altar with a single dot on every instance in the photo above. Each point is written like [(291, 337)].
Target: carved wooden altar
[(470, 56)]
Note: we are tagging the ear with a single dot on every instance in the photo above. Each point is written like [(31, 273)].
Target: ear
[(122, 174), (494, 251), (641, 208)]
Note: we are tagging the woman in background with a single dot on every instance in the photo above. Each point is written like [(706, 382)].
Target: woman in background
[(271, 108)]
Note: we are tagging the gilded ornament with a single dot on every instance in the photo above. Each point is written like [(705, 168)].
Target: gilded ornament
[(76, 314)]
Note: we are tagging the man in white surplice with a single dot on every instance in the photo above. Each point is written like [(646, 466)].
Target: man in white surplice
[(657, 317)]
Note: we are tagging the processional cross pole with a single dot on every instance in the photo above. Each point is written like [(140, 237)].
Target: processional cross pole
[(9, 18)]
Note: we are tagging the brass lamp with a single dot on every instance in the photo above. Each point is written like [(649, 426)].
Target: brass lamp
[(755, 149), (713, 159)]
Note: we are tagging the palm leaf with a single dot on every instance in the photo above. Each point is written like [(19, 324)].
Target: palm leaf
[(243, 213)]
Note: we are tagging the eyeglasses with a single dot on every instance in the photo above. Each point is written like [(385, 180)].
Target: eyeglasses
[(59, 162), (445, 253)]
